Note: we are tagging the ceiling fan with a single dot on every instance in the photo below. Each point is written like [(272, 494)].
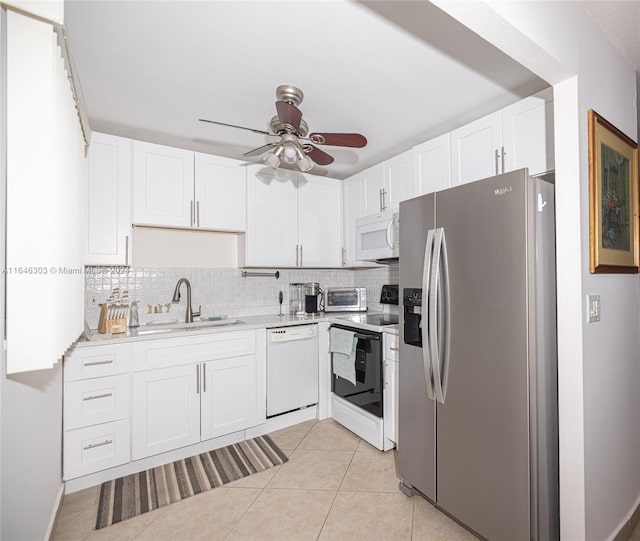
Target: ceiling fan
[(295, 144)]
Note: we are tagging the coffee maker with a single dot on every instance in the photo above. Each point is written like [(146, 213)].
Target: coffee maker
[(312, 298)]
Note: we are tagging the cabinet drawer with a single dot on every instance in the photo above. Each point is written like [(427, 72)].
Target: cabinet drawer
[(94, 401), (88, 450), (97, 361), (179, 351), (391, 346)]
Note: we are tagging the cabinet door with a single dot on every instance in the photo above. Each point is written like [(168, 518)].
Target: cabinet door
[(166, 410), (391, 400), (372, 185), (162, 185), (432, 165), (475, 149), (398, 180), (527, 130), (272, 217), (109, 201), (220, 193), (319, 221), (228, 395)]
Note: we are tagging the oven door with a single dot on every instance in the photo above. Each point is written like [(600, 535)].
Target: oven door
[(367, 392)]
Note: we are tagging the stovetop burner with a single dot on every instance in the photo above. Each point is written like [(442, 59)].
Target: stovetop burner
[(381, 319)]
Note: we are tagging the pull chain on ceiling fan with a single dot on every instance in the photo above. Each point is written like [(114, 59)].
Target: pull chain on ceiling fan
[(294, 147)]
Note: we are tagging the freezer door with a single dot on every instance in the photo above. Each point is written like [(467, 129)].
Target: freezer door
[(483, 424), (416, 411)]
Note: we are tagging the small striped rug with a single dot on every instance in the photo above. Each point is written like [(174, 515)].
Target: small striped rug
[(139, 493)]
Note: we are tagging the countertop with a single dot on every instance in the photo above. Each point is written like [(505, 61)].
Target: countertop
[(157, 332)]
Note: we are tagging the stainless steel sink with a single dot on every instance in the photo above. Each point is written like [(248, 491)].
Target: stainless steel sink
[(174, 327)]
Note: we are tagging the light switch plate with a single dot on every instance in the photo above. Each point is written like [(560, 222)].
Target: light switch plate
[(593, 308)]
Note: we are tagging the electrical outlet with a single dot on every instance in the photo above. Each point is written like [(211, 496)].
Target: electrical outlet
[(593, 308), (92, 301)]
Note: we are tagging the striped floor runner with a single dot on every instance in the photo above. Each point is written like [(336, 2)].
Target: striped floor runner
[(141, 492)]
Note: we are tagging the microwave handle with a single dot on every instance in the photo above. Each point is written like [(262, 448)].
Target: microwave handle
[(390, 235)]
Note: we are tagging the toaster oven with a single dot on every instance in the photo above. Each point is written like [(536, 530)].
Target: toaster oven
[(345, 299)]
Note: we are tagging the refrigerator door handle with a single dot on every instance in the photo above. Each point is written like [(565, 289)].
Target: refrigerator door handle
[(439, 319), (424, 329)]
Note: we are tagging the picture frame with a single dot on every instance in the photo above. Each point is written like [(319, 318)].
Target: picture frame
[(613, 198)]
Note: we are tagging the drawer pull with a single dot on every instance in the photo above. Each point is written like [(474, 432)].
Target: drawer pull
[(93, 445), (97, 396), (394, 349), (96, 363)]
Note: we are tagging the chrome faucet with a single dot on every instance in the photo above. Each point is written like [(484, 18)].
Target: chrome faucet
[(176, 298)]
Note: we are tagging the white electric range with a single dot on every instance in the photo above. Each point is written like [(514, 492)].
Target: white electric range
[(357, 399)]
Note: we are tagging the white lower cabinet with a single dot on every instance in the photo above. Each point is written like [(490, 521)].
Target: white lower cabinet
[(228, 398), (166, 410), (130, 401), (211, 392), (390, 397)]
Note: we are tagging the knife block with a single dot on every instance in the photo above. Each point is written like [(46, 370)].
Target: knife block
[(113, 326)]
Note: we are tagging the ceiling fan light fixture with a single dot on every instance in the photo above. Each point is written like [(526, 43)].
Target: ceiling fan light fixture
[(289, 154), (305, 164), (272, 159)]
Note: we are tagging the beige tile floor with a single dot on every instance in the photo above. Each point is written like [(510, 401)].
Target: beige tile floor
[(335, 486)]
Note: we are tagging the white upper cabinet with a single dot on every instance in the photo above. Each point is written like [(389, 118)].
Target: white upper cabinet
[(527, 132), (173, 187), (432, 165), (475, 149), (272, 217), (386, 184), (109, 201), (220, 193), (319, 221), (372, 186), (293, 219), (398, 180), (162, 185), (518, 136)]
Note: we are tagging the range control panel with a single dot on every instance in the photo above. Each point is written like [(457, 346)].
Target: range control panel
[(389, 294)]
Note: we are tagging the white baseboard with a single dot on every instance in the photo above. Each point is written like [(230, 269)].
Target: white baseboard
[(55, 514), (626, 527)]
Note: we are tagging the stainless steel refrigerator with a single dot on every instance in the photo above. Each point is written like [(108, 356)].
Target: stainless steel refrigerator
[(478, 429)]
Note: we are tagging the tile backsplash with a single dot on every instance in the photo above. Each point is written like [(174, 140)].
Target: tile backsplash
[(219, 291)]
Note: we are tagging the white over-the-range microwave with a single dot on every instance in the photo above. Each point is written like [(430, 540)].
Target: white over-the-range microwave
[(377, 237)]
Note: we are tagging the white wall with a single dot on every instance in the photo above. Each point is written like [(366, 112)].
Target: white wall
[(599, 374)]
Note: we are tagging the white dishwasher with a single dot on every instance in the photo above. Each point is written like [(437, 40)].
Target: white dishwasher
[(292, 368)]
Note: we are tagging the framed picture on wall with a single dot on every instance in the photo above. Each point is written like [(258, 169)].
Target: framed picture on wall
[(613, 198)]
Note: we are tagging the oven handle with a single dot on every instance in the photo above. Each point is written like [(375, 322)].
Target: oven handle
[(367, 336)]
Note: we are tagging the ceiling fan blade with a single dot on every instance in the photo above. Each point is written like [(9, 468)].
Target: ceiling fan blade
[(234, 126), (354, 140), (319, 156), (289, 114), (259, 150)]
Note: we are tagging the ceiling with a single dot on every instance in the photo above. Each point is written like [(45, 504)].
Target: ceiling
[(397, 72)]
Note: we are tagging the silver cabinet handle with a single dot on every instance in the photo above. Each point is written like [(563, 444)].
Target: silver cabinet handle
[(503, 155), (384, 199), (94, 445), (197, 379), (297, 248), (96, 363), (497, 160), (438, 318), (301, 264), (426, 278), (191, 213), (97, 396), (204, 378), (198, 213), (126, 250)]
